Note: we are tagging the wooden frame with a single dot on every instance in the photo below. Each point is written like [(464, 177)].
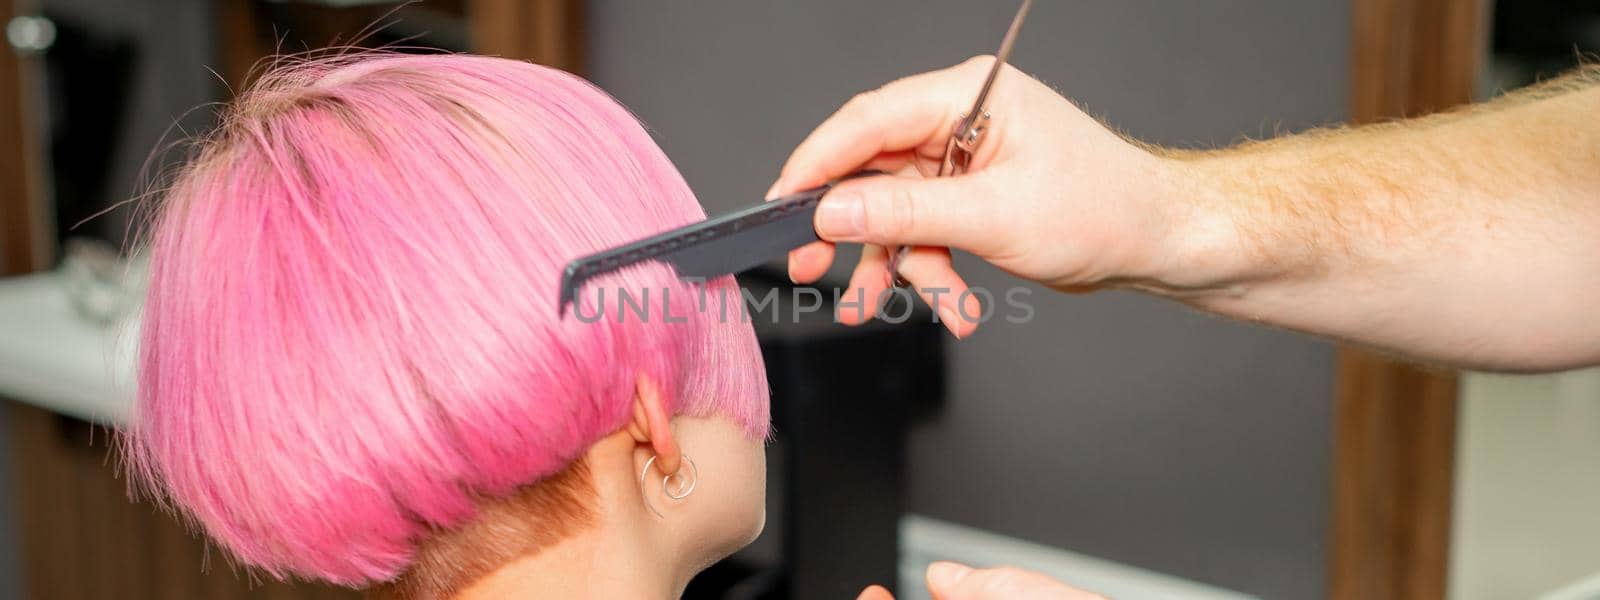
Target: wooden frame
[(24, 247), (83, 540), (1395, 424), (548, 32)]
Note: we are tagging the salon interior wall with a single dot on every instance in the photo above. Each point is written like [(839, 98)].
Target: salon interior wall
[(1113, 425), (10, 529), (169, 81), (162, 102)]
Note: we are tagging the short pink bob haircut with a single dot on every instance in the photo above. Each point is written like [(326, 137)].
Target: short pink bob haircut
[(351, 334)]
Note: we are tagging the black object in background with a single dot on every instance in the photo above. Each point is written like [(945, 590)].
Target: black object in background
[(1540, 39), (90, 77)]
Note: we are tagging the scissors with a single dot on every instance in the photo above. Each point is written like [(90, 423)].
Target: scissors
[(754, 235), (968, 132)]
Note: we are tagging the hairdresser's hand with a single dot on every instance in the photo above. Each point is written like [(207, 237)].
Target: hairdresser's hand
[(1051, 196), (950, 581)]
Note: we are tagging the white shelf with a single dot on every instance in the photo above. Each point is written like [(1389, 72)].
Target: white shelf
[(924, 540), (53, 358)]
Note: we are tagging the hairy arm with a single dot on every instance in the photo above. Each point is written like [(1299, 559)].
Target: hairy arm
[(1470, 238)]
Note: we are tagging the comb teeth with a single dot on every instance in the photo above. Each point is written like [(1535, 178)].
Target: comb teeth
[(780, 214), (722, 245)]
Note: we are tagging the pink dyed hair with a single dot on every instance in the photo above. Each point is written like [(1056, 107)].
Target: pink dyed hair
[(351, 330)]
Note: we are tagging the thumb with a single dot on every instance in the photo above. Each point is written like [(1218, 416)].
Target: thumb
[(944, 580), (899, 211), (875, 592), (951, 581)]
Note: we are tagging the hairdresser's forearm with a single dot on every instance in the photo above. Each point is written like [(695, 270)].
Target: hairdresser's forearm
[(1469, 239)]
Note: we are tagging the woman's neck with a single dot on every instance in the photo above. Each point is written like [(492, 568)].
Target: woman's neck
[(582, 533), (611, 562), (619, 551)]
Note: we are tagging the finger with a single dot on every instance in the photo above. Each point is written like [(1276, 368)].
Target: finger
[(810, 262), (867, 286), (951, 581), (958, 212), (930, 272), (875, 592), (899, 163), (903, 163), (944, 581), (902, 115)]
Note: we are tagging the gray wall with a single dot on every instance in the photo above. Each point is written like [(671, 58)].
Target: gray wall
[(1114, 425)]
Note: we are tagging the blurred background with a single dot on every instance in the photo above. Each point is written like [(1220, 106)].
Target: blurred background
[(1119, 442)]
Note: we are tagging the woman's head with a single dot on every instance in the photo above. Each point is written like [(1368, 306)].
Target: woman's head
[(351, 338)]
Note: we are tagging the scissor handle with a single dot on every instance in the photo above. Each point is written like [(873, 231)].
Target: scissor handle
[(968, 133), (963, 144)]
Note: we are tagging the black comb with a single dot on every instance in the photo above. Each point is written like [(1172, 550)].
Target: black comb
[(722, 245)]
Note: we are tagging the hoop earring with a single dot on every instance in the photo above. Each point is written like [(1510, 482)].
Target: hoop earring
[(683, 489)]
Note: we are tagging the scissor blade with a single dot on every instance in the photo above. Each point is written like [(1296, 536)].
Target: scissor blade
[(1000, 58)]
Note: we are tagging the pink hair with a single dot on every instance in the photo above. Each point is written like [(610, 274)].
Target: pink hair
[(351, 331)]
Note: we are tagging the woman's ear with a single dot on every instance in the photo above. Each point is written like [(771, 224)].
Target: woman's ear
[(652, 424)]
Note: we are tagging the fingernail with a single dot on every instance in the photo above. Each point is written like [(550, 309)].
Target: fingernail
[(841, 217), (772, 192), (951, 321), (794, 256), (849, 315), (945, 575)]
